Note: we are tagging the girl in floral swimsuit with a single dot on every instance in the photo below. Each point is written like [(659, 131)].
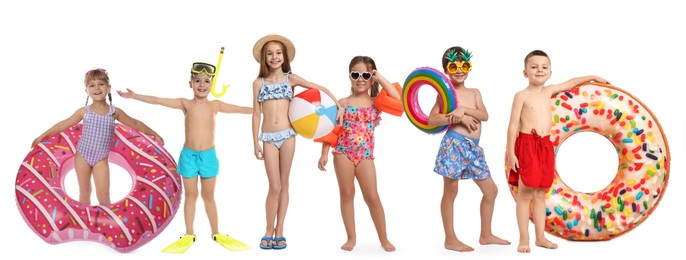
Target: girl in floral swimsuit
[(353, 156), (356, 138)]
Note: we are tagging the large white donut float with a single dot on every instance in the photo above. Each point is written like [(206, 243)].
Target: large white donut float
[(124, 225), (642, 174)]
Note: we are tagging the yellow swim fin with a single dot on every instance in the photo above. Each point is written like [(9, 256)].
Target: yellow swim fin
[(230, 243), (181, 245)]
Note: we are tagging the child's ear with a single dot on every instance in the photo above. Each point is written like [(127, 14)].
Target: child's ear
[(524, 73)]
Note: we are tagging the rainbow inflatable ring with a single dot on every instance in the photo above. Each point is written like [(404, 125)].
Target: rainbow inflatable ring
[(124, 225), (446, 92), (641, 178)]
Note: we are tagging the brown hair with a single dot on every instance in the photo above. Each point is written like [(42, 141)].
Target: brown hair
[(535, 53), (444, 59), (97, 74), (371, 66), (264, 69)]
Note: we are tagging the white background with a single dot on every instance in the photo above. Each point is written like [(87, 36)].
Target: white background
[(148, 46)]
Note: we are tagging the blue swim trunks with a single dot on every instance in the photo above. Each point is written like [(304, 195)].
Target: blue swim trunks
[(194, 163), (460, 157)]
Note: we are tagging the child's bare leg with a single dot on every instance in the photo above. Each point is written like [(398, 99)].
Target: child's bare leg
[(539, 219), (366, 176), (524, 197), (101, 178), (207, 193), (490, 191), (285, 161), (83, 176), (450, 188), (190, 186), (345, 174), (271, 165)]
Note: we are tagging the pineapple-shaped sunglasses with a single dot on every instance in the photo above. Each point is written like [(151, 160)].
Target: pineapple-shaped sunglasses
[(453, 65)]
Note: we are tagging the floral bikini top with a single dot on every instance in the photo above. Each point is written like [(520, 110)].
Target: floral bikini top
[(280, 90)]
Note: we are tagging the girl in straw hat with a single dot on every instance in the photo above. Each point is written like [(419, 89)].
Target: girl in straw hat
[(273, 90)]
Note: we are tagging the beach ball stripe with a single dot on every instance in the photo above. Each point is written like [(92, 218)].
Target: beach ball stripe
[(312, 113)]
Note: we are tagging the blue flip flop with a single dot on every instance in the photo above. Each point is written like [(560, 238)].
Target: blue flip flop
[(269, 242), (277, 240)]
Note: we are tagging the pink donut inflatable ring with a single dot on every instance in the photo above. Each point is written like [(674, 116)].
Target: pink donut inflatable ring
[(643, 164), (124, 225)]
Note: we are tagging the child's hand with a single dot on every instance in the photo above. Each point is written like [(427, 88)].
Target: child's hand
[(258, 152), (339, 115), (36, 141), (128, 94), (158, 138), (513, 162), (322, 162), (601, 80), (455, 116), (470, 122), (375, 74)]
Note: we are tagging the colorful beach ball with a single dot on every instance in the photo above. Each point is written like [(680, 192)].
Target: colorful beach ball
[(312, 113)]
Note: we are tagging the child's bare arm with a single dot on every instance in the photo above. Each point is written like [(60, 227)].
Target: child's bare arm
[(513, 130), (299, 81), (567, 85), (176, 103), (256, 118), (324, 159), (62, 125), (229, 108), (385, 84), (470, 122), (438, 119), (479, 112), (125, 119)]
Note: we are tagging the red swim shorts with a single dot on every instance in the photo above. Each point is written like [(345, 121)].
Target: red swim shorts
[(536, 158)]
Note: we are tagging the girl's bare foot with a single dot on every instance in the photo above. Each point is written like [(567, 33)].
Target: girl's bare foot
[(545, 243), (493, 240), (387, 246), (349, 245), (458, 246), (523, 247)]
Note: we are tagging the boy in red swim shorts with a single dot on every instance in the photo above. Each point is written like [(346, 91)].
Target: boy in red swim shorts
[(536, 161), (530, 156)]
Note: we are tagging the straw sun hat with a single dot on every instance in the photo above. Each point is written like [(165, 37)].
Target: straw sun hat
[(257, 49)]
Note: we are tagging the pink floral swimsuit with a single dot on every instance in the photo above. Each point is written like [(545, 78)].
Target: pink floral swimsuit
[(356, 138)]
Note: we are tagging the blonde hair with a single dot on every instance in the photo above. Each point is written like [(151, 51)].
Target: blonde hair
[(97, 74)]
